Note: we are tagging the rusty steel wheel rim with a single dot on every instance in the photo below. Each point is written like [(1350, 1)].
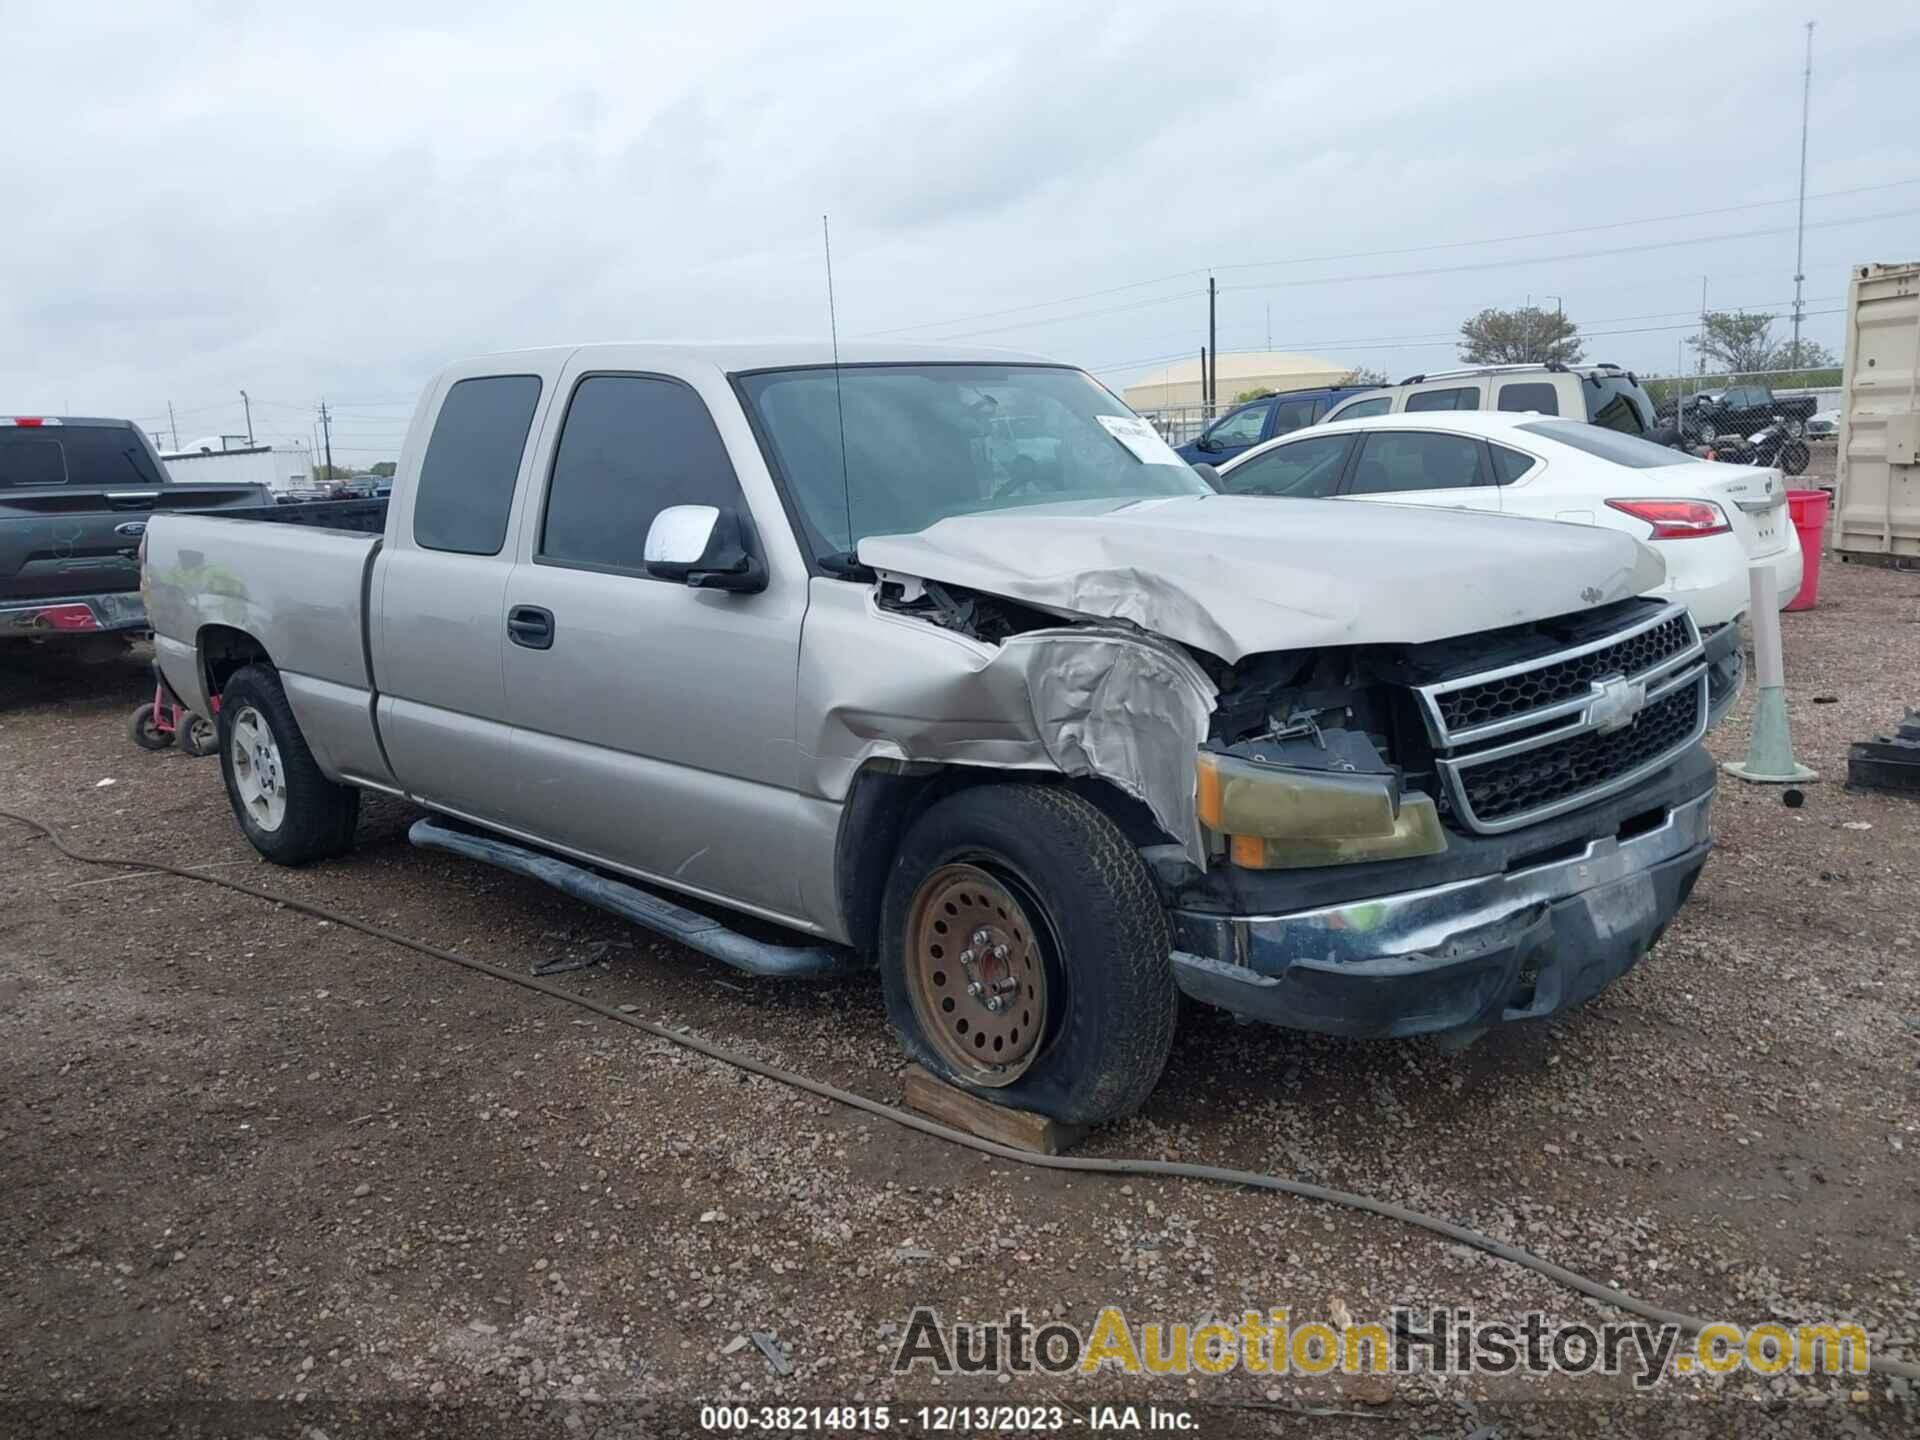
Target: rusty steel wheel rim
[(976, 974)]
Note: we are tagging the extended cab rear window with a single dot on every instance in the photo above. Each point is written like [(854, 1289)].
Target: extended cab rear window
[(466, 480), (100, 456)]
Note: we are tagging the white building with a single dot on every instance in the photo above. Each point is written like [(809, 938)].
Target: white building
[(281, 468), (1177, 386)]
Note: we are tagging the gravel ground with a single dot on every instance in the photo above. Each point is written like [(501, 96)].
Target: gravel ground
[(265, 1176)]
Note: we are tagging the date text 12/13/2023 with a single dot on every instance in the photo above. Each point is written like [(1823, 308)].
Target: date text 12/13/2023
[(943, 1419)]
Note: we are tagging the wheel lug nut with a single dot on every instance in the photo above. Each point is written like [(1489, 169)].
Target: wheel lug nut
[(999, 952), (980, 937), (973, 987), (994, 1004)]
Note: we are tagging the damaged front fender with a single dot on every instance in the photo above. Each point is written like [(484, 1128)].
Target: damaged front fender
[(1086, 700)]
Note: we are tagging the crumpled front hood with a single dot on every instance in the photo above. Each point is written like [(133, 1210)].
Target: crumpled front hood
[(1240, 575)]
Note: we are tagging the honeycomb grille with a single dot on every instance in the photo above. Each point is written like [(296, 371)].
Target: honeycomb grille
[(1551, 683), (1500, 789)]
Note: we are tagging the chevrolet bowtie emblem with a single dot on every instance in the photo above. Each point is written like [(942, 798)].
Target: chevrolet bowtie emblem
[(1615, 703)]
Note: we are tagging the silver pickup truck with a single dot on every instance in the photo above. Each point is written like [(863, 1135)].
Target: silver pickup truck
[(1042, 728)]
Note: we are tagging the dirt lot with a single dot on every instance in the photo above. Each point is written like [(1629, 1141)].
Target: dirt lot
[(263, 1176)]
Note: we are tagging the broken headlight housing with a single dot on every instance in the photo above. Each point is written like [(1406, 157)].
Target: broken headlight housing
[(1342, 807)]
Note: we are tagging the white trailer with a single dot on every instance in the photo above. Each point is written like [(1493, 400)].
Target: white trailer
[(1878, 484), (281, 468)]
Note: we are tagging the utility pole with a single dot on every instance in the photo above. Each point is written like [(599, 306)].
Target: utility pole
[(249, 404), (1206, 383), (326, 429), (1269, 325), (172, 427), (1703, 325), (1213, 344), (1800, 229)]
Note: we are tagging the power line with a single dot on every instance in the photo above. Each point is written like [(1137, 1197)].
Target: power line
[(1570, 230), (1451, 337), (1472, 266), (1574, 254), (1377, 254)]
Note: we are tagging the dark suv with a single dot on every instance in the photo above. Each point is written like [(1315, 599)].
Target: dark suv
[(75, 494), (1247, 425)]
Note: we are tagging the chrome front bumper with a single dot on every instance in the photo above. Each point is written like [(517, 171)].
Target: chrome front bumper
[(1508, 946)]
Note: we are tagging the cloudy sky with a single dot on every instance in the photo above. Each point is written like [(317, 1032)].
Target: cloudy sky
[(209, 197)]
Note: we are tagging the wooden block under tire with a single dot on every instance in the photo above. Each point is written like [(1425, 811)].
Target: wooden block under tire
[(1021, 1129)]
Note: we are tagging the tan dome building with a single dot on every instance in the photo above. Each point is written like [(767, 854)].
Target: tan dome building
[(1177, 386)]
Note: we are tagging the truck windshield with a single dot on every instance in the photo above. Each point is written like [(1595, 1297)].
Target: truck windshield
[(924, 442)]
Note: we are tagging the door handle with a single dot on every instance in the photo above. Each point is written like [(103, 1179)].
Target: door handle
[(530, 626)]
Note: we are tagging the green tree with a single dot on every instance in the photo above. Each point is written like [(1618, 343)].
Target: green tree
[(1245, 395), (1735, 340), (1363, 375), (385, 468), (1807, 355), (1526, 336)]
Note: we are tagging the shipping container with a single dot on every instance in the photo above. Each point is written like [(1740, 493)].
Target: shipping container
[(281, 468), (1877, 490)]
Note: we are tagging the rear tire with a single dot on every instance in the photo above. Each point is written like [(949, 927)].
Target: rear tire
[(1083, 910), (290, 812), (146, 734)]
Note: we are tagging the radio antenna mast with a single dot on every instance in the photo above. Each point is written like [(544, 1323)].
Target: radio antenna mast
[(839, 406)]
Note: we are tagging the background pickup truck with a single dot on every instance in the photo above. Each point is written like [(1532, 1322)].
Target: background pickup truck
[(1741, 410), (75, 494), (1045, 742)]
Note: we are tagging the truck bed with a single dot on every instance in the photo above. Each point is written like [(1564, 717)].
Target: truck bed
[(366, 517), (293, 577)]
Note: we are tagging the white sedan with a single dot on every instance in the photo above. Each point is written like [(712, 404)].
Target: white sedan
[(1706, 519)]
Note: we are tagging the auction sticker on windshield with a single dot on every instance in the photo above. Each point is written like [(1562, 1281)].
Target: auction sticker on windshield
[(1141, 438)]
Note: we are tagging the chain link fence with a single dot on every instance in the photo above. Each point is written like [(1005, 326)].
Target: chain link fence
[(1729, 411), (1178, 424), (1711, 405)]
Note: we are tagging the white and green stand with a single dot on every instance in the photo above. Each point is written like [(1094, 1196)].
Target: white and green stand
[(1769, 748)]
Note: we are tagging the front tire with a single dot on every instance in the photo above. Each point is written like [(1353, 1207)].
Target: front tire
[(1025, 956), (1795, 458), (290, 812)]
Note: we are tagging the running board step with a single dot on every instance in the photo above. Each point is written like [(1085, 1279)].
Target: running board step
[(690, 928)]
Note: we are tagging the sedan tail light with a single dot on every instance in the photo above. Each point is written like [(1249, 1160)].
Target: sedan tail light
[(1676, 519)]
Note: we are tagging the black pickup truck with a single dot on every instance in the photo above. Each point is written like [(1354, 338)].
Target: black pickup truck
[(75, 494), (1741, 410)]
